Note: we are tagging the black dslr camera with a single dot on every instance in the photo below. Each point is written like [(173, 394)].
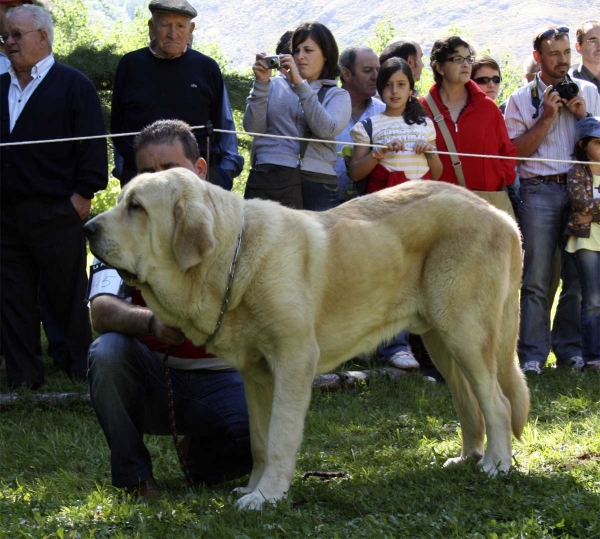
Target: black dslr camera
[(567, 89), (272, 61)]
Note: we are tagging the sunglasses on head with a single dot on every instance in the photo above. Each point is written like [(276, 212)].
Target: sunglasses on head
[(553, 32), (486, 80)]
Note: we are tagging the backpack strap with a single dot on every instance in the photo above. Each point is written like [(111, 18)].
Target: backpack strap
[(438, 118), (368, 125)]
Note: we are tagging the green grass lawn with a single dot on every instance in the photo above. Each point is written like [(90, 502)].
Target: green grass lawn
[(390, 437)]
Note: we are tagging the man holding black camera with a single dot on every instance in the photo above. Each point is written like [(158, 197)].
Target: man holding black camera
[(540, 119)]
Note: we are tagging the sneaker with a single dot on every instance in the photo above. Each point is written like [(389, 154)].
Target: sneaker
[(592, 366), (532, 367), (403, 360), (575, 363)]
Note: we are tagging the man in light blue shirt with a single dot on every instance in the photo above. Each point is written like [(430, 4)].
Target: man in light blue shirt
[(360, 66)]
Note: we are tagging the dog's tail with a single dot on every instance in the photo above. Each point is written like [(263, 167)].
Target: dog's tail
[(510, 377)]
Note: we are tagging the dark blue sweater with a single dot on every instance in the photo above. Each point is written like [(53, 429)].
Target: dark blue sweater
[(64, 105), (146, 89)]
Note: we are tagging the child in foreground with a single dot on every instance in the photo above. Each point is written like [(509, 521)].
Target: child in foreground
[(405, 130)]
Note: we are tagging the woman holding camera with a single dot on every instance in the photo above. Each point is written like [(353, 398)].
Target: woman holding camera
[(304, 101), (470, 122)]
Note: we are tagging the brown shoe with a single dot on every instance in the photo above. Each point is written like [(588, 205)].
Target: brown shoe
[(147, 489)]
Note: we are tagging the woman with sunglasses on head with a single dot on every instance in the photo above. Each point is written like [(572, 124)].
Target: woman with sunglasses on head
[(306, 102), (469, 122)]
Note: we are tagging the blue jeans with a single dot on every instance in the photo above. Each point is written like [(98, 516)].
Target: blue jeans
[(543, 217), (319, 196), (398, 344), (588, 265), (129, 395), (514, 195)]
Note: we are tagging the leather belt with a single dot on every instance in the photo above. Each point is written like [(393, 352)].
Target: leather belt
[(555, 178)]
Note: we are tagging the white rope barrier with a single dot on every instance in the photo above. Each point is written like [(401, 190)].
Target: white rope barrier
[(324, 141)]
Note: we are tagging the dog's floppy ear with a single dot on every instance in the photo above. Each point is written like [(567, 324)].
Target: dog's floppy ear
[(193, 235)]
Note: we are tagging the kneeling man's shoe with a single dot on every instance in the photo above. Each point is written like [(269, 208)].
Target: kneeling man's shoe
[(147, 489)]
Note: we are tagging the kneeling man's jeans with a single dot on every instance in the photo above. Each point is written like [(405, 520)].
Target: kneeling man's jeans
[(129, 394)]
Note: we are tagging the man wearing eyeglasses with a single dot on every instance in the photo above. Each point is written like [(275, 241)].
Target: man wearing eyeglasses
[(588, 46), (5, 6), (46, 193), (541, 124)]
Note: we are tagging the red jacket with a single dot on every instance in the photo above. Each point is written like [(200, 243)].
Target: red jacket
[(480, 129)]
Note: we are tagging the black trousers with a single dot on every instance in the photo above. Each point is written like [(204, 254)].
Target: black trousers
[(42, 242)]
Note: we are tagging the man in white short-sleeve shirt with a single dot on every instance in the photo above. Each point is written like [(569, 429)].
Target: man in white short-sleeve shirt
[(540, 119)]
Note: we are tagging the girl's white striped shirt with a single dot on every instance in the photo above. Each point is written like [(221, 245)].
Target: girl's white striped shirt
[(386, 128)]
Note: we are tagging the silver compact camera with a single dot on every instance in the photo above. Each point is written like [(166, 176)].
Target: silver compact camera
[(272, 61)]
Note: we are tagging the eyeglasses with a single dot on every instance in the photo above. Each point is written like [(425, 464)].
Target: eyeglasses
[(553, 32), (486, 80), (461, 59), (17, 35), (593, 41)]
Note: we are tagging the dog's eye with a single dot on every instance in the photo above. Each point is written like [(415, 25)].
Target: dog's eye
[(134, 206)]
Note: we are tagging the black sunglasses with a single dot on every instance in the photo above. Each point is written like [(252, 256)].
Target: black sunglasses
[(486, 80), (553, 32)]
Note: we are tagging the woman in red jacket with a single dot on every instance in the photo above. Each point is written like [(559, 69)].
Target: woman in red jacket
[(474, 122)]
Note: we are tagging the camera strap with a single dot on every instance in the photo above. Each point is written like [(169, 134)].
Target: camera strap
[(536, 100)]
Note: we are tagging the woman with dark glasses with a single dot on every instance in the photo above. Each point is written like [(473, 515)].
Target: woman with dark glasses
[(486, 74)]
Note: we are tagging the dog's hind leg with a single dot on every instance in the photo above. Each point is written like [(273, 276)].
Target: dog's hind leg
[(474, 349), (465, 403), (293, 376), (258, 385)]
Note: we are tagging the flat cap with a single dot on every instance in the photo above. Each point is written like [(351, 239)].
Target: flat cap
[(181, 7)]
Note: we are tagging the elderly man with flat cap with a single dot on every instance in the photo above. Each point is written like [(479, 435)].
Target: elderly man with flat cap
[(169, 80)]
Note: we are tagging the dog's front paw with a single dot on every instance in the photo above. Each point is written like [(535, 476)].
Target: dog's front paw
[(256, 500)]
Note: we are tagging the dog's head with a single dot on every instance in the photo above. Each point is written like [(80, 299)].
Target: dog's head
[(162, 222)]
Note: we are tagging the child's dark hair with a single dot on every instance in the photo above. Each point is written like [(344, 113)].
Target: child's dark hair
[(579, 152), (413, 113)]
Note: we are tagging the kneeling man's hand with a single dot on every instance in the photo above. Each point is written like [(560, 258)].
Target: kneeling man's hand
[(165, 333)]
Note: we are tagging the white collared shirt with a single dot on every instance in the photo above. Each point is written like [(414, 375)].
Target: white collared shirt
[(559, 141), (17, 98)]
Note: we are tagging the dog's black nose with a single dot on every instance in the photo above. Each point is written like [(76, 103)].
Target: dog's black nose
[(90, 228)]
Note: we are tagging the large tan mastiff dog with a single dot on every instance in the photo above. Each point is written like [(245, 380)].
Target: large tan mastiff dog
[(314, 289)]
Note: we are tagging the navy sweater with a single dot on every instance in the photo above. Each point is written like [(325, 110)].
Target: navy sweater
[(146, 89), (64, 105)]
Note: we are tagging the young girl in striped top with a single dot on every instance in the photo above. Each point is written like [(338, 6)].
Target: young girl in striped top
[(402, 127)]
